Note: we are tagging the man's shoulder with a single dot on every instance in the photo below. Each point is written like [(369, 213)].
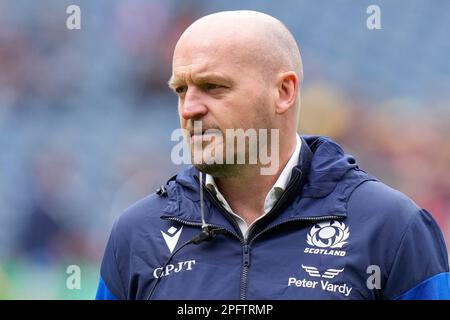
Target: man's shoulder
[(378, 200), (146, 213), (141, 215)]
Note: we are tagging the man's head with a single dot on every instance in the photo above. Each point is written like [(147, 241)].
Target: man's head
[(237, 69)]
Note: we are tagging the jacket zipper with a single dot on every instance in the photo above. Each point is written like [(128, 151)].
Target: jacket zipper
[(245, 267), (245, 248), (244, 241)]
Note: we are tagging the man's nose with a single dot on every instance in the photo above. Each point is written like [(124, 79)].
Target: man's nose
[(193, 106)]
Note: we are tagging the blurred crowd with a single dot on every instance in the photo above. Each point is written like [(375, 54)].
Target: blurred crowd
[(86, 116)]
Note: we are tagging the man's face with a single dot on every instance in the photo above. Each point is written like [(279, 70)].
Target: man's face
[(223, 90)]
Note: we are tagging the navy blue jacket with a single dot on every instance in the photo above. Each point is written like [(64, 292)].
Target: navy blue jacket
[(335, 233)]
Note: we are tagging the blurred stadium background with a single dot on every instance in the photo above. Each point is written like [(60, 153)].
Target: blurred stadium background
[(86, 116)]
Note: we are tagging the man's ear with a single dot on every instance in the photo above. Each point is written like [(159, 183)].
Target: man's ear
[(287, 85)]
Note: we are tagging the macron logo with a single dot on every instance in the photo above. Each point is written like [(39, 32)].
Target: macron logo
[(172, 237), (329, 274)]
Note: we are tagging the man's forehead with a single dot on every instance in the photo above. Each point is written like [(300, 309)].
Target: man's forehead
[(210, 52), (192, 68), (200, 71), (226, 58)]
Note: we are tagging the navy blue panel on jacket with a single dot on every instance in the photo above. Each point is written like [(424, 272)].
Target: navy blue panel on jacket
[(341, 234)]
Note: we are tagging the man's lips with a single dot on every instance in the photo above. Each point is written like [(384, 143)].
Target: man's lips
[(192, 133), (205, 136), (203, 132)]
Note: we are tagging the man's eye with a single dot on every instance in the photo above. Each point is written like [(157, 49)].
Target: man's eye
[(180, 90), (212, 86)]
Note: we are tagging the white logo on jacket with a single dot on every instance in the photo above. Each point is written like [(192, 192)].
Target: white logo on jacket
[(328, 234), (329, 274), (172, 237), (323, 285)]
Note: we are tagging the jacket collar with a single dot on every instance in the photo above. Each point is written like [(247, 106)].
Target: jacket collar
[(327, 182)]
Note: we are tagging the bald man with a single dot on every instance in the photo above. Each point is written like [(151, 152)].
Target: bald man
[(315, 226)]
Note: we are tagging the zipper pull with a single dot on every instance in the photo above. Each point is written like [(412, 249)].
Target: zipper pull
[(161, 191), (246, 255)]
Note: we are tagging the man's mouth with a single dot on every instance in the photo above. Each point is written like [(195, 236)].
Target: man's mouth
[(192, 133)]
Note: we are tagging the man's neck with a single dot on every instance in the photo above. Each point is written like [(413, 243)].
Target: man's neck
[(246, 192)]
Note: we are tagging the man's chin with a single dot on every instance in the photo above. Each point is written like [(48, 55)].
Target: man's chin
[(217, 170)]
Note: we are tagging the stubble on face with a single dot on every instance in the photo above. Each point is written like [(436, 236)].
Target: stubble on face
[(217, 144)]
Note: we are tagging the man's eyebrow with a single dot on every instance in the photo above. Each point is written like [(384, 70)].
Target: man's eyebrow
[(174, 82), (211, 76), (199, 78)]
